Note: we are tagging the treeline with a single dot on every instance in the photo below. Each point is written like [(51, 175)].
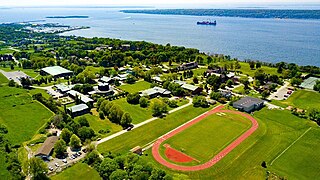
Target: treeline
[(246, 13), (129, 166)]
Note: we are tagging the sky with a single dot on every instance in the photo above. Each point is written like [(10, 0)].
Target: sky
[(143, 2)]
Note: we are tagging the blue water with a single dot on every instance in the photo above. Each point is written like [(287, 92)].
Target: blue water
[(270, 40)]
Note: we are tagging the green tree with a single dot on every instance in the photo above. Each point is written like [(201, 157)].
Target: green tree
[(200, 101), (115, 114), (75, 142), (118, 174), (158, 107), (125, 120), (60, 148), (66, 135), (107, 167), (37, 168), (143, 101), (265, 94), (83, 121), (85, 133), (229, 83), (11, 83), (133, 98)]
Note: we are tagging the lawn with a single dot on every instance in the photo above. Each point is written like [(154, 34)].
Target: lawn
[(3, 79), (300, 161), (277, 130), (22, 116), (136, 87), (151, 131), (97, 124), (208, 137), (199, 71), (78, 171), (303, 99), (137, 113)]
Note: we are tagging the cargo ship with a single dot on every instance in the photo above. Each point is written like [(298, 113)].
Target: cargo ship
[(207, 23)]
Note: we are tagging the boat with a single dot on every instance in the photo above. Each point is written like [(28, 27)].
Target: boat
[(207, 23)]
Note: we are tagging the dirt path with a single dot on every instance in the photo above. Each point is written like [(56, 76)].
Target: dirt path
[(216, 158)]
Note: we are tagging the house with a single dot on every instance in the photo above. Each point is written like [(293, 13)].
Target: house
[(83, 98), (47, 147), (56, 72), (192, 89), (179, 82), (157, 79), (102, 88), (226, 94), (121, 77), (137, 150), (106, 79), (63, 88), (248, 104), (155, 91), (187, 66), (78, 110), (125, 47)]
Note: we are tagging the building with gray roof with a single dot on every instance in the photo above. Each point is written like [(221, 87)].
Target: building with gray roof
[(78, 110), (56, 71), (85, 99), (248, 104), (47, 147), (155, 91), (192, 89)]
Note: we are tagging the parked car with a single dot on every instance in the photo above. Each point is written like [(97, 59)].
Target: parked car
[(64, 160), (98, 139), (50, 168), (56, 164)]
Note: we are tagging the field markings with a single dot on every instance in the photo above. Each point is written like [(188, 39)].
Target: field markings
[(290, 145)]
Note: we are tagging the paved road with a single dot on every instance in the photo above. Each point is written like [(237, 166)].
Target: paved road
[(142, 123)]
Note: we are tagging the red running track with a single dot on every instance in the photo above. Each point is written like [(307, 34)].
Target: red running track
[(216, 158)]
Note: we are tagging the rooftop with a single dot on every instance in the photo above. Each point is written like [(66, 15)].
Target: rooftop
[(248, 101), (83, 97), (56, 70), (47, 146), (155, 90), (78, 108), (189, 87)]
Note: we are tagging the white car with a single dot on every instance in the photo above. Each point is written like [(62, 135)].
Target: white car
[(56, 164), (64, 160), (50, 168)]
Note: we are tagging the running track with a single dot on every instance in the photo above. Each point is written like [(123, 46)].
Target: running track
[(216, 158)]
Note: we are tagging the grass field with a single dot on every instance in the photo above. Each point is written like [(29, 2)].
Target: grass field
[(300, 161), (22, 116), (136, 87), (277, 130), (97, 124), (151, 131), (3, 79), (303, 99), (208, 137), (79, 171), (137, 113)]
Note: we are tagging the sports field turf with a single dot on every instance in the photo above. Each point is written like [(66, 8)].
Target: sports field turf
[(79, 171), (137, 113), (22, 116), (277, 130), (209, 136), (136, 87), (150, 132), (303, 99), (301, 160)]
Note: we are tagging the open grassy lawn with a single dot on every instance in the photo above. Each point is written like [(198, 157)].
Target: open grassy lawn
[(36, 91), (208, 137), (199, 71), (3, 79), (137, 113), (150, 132), (98, 124), (6, 51), (277, 130), (301, 161), (303, 99), (78, 171), (22, 116), (136, 87)]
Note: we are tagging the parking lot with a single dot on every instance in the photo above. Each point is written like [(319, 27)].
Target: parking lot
[(57, 165), (282, 93), (15, 75)]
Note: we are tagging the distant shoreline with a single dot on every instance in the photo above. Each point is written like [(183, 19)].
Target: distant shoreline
[(243, 13), (67, 17)]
